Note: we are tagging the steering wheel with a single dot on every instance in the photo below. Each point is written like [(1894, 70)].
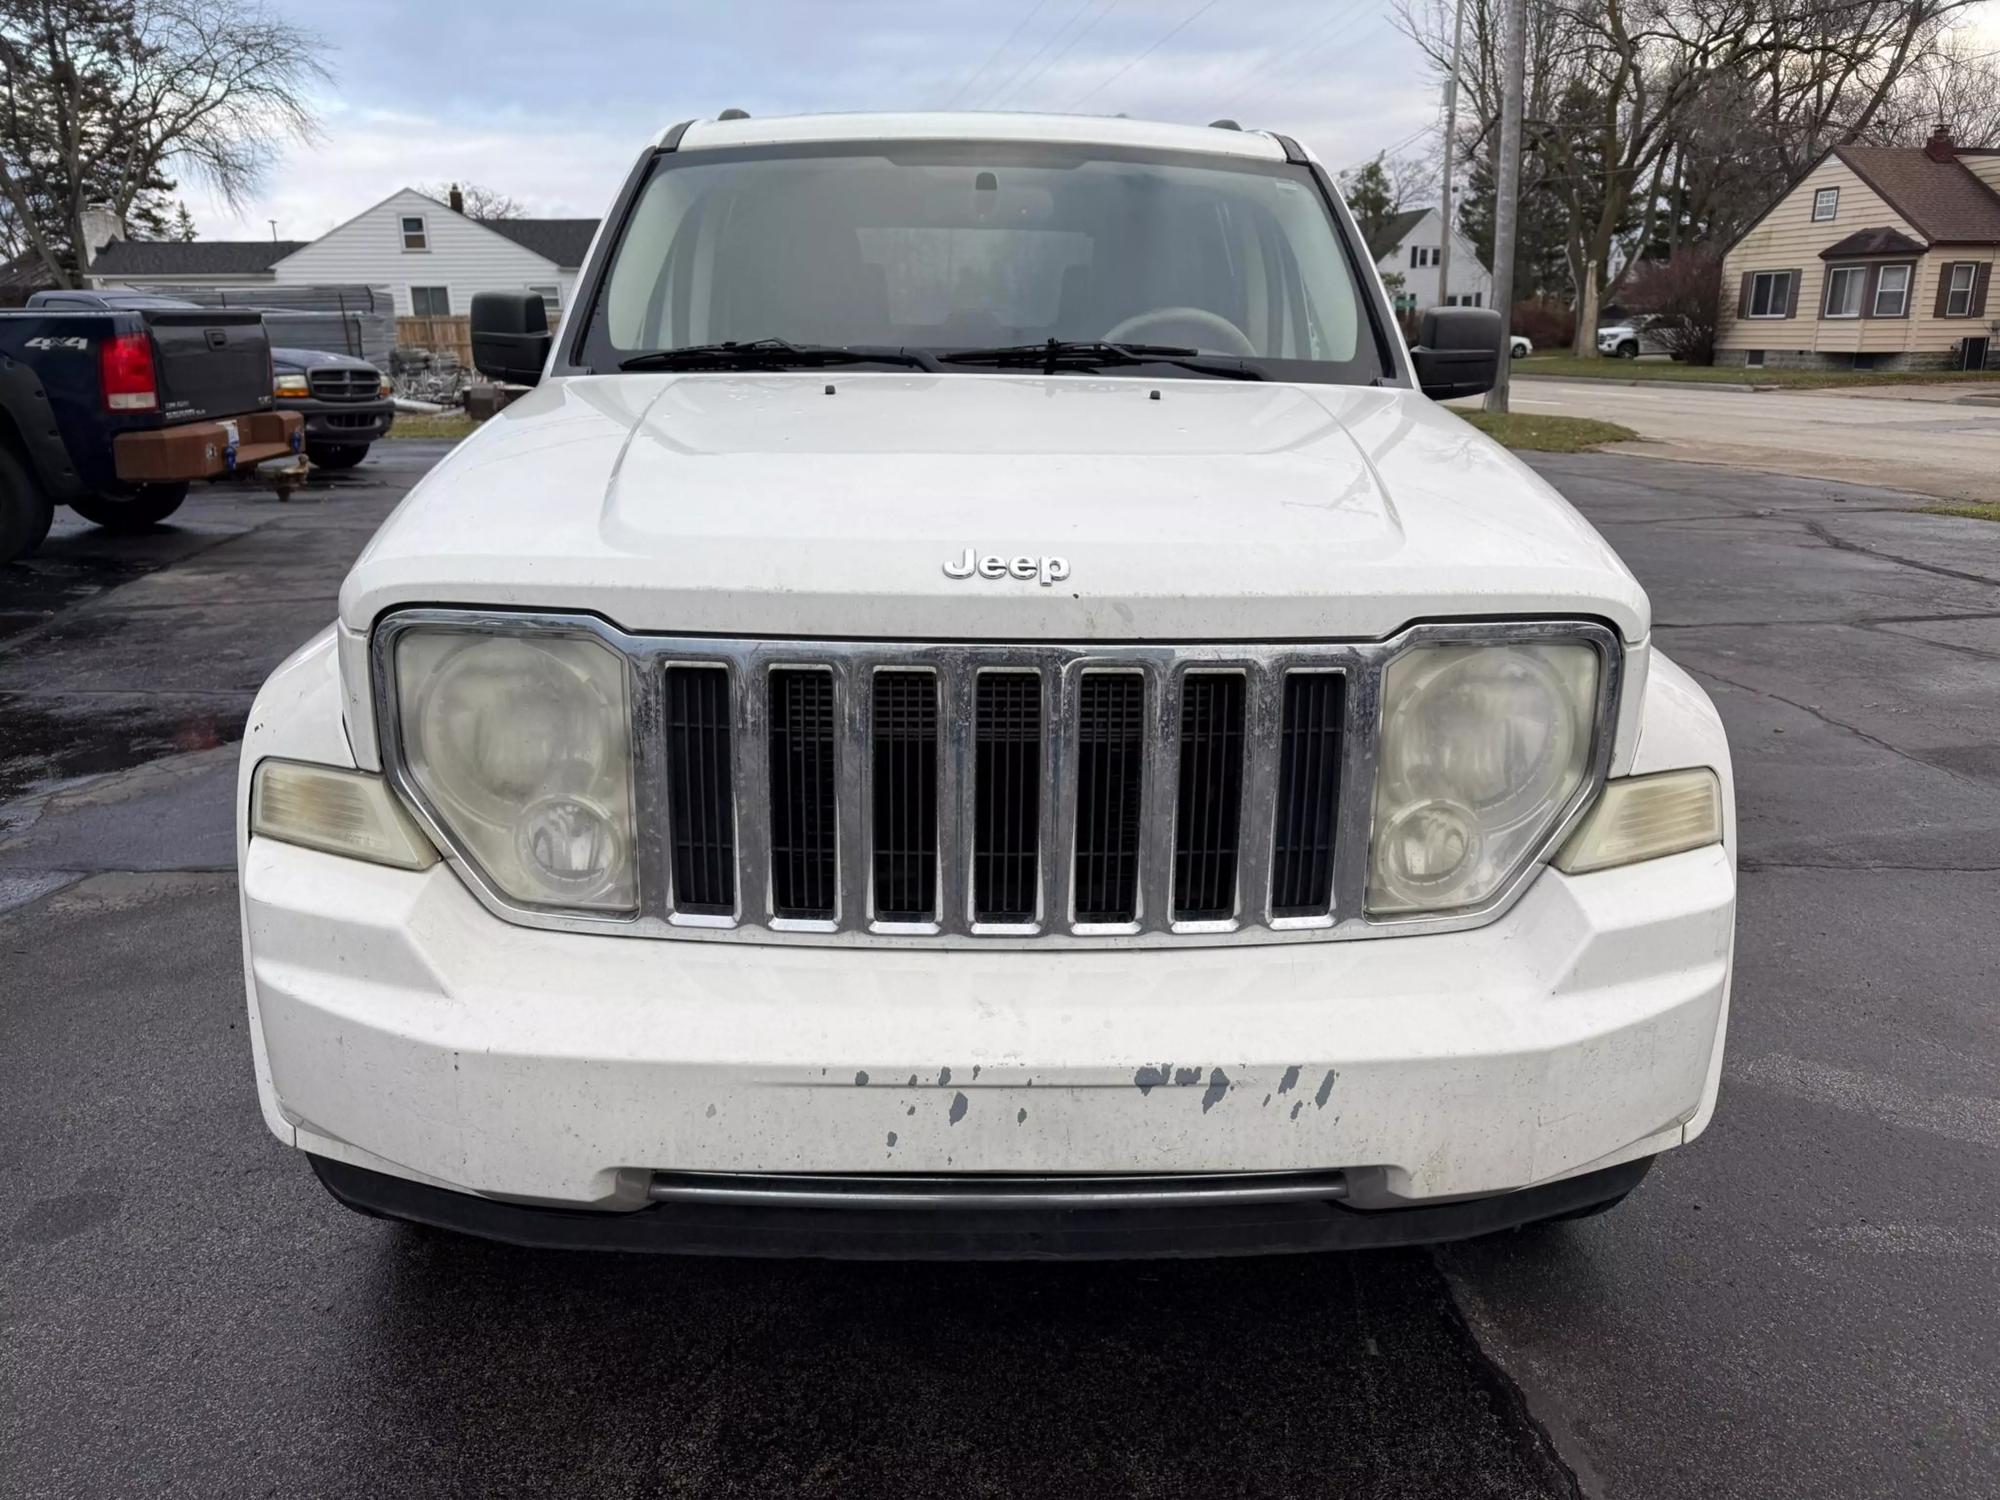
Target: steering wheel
[(1233, 339)]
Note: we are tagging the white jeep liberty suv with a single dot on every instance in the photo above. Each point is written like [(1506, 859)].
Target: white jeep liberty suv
[(979, 707)]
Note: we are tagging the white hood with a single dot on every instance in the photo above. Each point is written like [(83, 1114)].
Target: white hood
[(762, 505)]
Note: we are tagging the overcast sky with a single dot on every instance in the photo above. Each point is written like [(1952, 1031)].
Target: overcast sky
[(550, 103)]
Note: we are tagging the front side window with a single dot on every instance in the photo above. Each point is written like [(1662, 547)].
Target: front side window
[(942, 248), (1892, 292), (415, 236), (1826, 203), (1845, 286), (430, 301), (1771, 294), (1958, 290)]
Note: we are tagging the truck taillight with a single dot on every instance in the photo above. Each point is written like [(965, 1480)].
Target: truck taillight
[(126, 362)]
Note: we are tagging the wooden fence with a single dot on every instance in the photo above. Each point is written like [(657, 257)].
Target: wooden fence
[(437, 335)]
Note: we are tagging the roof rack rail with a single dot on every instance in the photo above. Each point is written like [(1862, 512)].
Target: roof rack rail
[(1224, 124), (734, 114)]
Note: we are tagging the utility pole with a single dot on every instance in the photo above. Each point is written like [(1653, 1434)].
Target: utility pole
[(1513, 72), (1450, 128)]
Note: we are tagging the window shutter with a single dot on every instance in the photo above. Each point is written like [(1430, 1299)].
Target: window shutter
[(1792, 296), (1944, 288), (1980, 280), (1743, 297)]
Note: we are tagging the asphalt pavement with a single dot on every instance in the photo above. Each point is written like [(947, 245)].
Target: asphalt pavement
[(1800, 1304)]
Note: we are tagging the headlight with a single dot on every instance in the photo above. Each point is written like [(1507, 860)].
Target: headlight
[(387, 387), (1482, 749), (290, 383), (522, 744)]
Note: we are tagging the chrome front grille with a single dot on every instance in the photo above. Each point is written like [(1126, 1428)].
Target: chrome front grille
[(1027, 795), (341, 384)]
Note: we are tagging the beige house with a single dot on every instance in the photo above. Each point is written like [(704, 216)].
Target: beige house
[(1880, 257)]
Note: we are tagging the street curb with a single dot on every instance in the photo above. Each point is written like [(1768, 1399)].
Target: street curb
[(1700, 385)]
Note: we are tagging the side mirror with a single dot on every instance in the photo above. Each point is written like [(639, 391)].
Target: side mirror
[(1458, 351), (510, 336)]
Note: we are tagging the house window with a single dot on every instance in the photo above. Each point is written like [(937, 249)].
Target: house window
[(1892, 292), (430, 301), (1845, 287), (1771, 294), (1754, 358), (415, 237), (1826, 203), (1958, 295), (1423, 255), (551, 300)]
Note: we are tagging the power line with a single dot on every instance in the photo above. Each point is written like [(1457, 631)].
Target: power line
[(1193, 16), (1292, 69), (1030, 80), (1229, 89), (992, 56), (1076, 15)]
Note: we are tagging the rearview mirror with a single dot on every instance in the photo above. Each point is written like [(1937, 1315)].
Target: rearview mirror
[(1458, 351), (510, 336)]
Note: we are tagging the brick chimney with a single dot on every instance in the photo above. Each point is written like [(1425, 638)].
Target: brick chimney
[(457, 199), (1939, 146)]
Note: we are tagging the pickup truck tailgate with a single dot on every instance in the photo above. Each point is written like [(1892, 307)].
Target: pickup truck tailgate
[(212, 362)]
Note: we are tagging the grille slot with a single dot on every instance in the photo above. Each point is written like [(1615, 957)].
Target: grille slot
[(1309, 739), (701, 802), (1007, 802), (1211, 797), (803, 819), (905, 774), (1111, 753)]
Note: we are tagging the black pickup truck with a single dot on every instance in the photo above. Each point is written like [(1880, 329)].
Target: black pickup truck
[(113, 413), (346, 401)]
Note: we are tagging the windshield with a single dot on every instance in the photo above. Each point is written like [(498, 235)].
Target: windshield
[(981, 245)]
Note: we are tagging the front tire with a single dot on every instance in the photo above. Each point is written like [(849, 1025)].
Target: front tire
[(1628, 350), (25, 511), (336, 455), (142, 510)]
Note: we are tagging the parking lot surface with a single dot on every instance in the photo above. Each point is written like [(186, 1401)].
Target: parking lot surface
[(1800, 1304)]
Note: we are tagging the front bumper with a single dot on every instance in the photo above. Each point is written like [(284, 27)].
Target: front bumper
[(403, 1030), (342, 421)]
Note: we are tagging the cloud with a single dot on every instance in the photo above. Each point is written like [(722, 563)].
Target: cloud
[(550, 108)]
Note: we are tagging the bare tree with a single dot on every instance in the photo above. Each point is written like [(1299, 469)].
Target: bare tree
[(109, 101), (482, 203), (1641, 110)]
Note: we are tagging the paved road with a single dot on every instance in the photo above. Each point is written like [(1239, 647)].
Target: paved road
[(1930, 447), (1802, 1304)]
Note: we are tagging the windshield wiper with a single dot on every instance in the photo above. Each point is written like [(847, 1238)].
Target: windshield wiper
[(1057, 354), (772, 354)]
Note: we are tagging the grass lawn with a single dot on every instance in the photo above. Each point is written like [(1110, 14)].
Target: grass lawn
[(1547, 434), (451, 425), (1569, 367), (1976, 510)]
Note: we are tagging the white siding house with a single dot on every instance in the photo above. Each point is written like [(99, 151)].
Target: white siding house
[(434, 258), (1410, 245), (431, 256)]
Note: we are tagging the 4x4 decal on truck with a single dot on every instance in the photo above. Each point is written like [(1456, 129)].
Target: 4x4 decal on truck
[(46, 342), (1047, 569)]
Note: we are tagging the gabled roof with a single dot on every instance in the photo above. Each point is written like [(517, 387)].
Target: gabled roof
[(1391, 233), (1872, 242), (1946, 203), (562, 241), (191, 257)]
